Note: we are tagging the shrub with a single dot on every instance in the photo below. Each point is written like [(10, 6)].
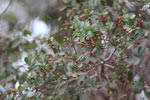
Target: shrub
[(93, 54)]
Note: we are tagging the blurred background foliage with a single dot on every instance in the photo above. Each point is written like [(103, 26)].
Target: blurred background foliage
[(23, 24)]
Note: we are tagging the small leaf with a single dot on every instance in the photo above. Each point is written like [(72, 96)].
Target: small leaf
[(148, 89), (147, 92), (110, 2), (141, 51), (91, 81), (133, 60), (26, 60), (139, 83), (70, 67), (57, 36), (130, 76), (23, 86), (114, 75), (28, 46), (131, 15), (26, 32), (62, 88), (20, 88), (102, 2), (70, 88), (87, 26), (62, 8), (32, 74), (84, 96), (113, 86), (80, 1)]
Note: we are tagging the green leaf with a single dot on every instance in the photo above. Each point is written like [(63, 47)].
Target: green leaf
[(141, 51), (114, 75), (103, 2), (28, 46), (70, 88), (139, 84), (137, 36), (91, 81), (58, 37), (110, 2), (62, 88), (98, 43), (148, 89), (32, 74), (113, 86), (130, 22), (130, 76), (147, 92), (62, 7), (121, 69), (80, 1), (26, 32), (131, 15), (110, 25), (133, 60), (23, 86), (70, 67), (87, 26), (26, 60), (85, 96)]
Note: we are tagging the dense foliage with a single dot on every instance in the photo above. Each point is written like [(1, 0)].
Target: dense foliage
[(92, 54)]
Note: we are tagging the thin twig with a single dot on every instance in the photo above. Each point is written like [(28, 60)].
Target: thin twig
[(10, 2), (130, 31), (74, 48), (106, 59)]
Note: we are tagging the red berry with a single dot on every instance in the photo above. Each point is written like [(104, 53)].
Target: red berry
[(19, 96), (139, 23), (101, 34), (137, 42), (89, 72), (71, 16), (104, 18), (109, 36), (81, 69), (70, 96), (46, 69), (119, 20), (111, 61), (72, 58), (43, 96), (89, 62), (93, 66), (94, 40), (89, 42), (140, 15), (122, 4), (67, 24), (89, 53), (143, 14), (144, 87), (55, 58)]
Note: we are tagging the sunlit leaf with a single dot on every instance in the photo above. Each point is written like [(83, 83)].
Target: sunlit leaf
[(133, 60), (26, 32)]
